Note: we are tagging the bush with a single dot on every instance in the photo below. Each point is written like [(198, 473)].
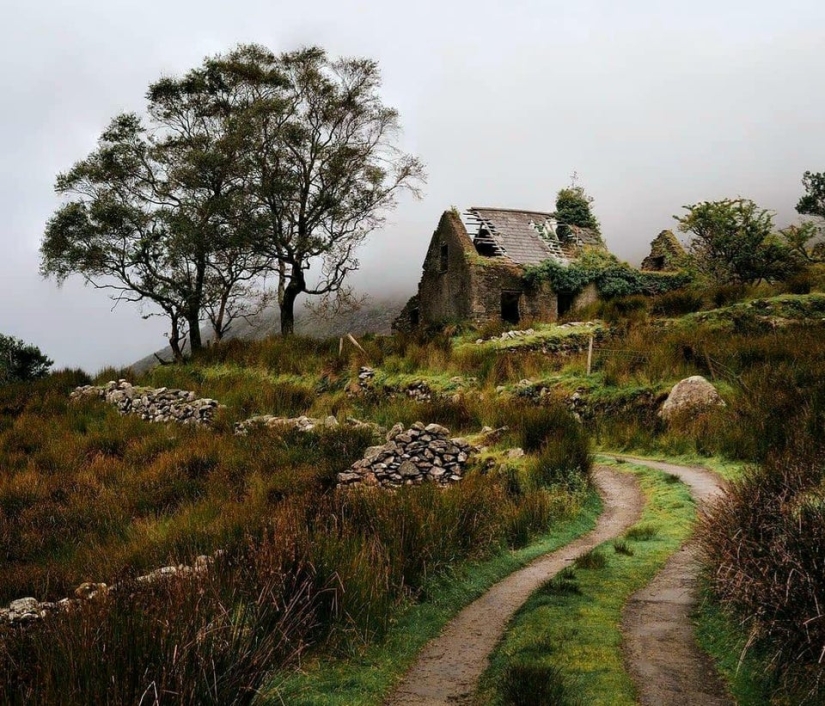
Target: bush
[(20, 362), (763, 544), (678, 303), (801, 283)]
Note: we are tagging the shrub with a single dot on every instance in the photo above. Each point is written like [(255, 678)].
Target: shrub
[(801, 283), (593, 559), (21, 362), (641, 533), (763, 544), (678, 303)]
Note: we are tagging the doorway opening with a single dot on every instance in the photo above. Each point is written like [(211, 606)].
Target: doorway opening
[(510, 302), (565, 303)]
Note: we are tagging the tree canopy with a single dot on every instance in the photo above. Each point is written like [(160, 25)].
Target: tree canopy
[(321, 163), (734, 242), (249, 164), (21, 362)]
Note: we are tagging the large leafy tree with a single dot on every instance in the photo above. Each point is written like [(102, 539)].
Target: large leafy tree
[(321, 162), (153, 214), (734, 242)]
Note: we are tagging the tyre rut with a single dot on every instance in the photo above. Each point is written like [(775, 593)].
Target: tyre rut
[(449, 667), (659, 644)]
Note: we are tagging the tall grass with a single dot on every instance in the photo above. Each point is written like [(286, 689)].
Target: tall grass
[(763, 546)]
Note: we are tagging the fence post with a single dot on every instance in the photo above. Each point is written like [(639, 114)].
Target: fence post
[(590, 355)]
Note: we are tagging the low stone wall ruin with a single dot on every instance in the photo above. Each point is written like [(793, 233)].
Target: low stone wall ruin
[(152, 404)]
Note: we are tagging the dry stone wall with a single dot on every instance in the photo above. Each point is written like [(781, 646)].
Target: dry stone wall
[(152, 404)]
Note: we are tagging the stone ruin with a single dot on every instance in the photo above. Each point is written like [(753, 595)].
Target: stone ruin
[(411, 457), (666, 254), (152, 404), (25, 611)]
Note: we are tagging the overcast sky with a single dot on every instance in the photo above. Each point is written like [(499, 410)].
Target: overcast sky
[(654, 104)]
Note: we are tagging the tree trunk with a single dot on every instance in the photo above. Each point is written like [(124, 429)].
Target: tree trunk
[(291, 291), (195, 342), (174, 341)]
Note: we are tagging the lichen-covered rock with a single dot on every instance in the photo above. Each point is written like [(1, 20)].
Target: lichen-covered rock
[(690, 396)]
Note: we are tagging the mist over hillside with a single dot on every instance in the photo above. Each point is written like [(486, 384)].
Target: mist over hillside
[(375, 315)]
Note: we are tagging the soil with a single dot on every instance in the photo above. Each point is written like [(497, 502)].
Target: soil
[(448, 669), (660, 649)]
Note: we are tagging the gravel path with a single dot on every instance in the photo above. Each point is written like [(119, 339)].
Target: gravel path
[(659, 645), (448, 669)]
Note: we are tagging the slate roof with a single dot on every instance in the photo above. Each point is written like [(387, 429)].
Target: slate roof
[(515, 234)]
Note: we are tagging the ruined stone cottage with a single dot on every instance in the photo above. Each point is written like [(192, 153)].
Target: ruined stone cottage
[(474, 268), (666, 254)]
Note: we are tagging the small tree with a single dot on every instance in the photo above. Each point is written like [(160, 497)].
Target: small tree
[(574, 208), (20, 362), (806, 239), (812, 203), (734, 242)]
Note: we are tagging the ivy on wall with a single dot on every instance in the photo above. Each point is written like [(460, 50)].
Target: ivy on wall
[(612, 277)]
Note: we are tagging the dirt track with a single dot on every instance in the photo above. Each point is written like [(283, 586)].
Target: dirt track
[(660, 649), (448, 669)]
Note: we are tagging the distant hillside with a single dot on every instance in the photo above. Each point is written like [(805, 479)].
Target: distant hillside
[(374, 316)]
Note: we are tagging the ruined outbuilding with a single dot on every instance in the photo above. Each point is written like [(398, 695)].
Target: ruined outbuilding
[(474, 269), (666, 254)]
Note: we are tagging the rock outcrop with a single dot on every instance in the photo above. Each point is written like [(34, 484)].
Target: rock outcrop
[(411, 457), (690, 396), (152, 404)]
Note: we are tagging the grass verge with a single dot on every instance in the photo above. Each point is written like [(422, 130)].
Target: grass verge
[(367, 678), (724, 640), (569, 629)]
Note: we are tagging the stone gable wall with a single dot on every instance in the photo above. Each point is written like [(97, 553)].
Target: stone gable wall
[(470, 289)]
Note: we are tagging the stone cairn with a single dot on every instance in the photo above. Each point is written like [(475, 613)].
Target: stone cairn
[(411, 457), (153, 404)]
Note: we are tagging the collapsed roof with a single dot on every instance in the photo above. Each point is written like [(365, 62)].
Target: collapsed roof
[(525, 237)]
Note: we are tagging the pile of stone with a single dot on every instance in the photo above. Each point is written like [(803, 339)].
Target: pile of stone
[(302, 423), (419, 391), (411, 457), (152, 404), (24, 611)]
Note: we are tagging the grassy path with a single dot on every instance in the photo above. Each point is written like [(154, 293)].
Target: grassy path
[(659, 643), (564, 645), (448, 669)]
